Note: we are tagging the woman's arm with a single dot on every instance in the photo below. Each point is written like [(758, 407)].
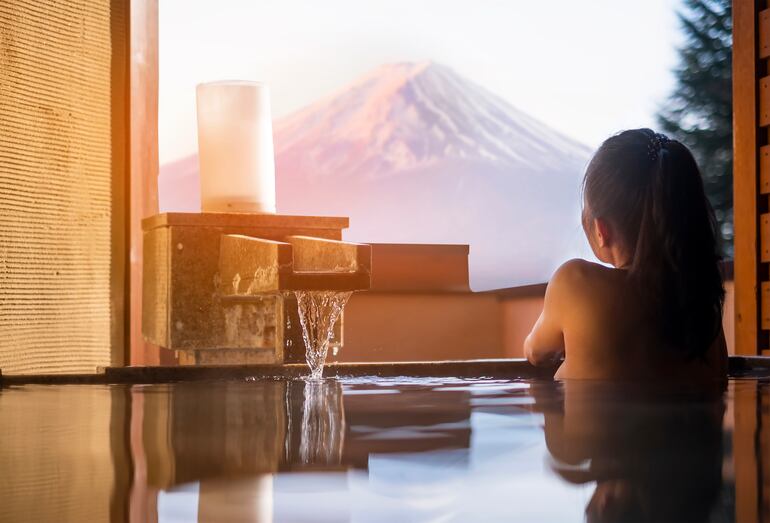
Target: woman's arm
[(545, 344)]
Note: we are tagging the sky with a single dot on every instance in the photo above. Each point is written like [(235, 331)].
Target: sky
[(587, 69)]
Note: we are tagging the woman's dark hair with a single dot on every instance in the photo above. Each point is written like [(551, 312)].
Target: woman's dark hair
[(649, 189)]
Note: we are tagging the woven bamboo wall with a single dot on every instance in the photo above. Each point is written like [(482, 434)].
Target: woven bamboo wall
[(63, 88)]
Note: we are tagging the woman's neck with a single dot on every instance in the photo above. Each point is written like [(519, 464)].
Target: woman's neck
[(620, 258)]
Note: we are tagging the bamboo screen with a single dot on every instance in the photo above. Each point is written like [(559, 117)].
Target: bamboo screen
[(63, 86)]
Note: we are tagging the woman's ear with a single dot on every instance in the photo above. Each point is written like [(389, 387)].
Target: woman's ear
[(603, 232)]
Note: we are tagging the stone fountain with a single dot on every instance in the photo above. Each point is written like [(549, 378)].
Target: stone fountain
[(219, 288)]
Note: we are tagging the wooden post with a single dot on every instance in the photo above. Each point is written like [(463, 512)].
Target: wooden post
[(745, 176), (144, 160)]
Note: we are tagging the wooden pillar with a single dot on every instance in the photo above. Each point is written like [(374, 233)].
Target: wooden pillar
[(750, 87), (144, 160), (751, 185)]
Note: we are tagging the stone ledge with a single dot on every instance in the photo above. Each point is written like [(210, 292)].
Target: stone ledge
[(244, 220)]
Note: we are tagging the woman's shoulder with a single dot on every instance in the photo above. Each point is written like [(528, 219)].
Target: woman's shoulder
[(583, 281), (578, 271)]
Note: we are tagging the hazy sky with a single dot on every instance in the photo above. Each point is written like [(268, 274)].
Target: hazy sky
[(586, 68)]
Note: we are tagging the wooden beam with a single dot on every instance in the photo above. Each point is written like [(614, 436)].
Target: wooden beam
[(120, 174), (745, 179), (144, 160)]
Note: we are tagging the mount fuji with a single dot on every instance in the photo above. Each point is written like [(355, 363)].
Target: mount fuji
[(415, 153)]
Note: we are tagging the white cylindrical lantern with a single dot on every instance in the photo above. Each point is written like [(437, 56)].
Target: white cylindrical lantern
[(235, 147)]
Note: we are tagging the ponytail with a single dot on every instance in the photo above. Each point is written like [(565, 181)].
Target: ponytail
[(651, 191)]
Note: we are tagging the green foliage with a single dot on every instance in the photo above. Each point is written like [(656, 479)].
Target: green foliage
[(699, 111)]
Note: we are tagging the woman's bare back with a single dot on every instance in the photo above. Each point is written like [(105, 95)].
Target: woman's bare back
[(594, 319)]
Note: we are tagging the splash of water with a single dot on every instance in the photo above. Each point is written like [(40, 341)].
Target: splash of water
[(318, 312)]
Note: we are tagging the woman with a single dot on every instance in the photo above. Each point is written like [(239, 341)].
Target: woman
[(656, 312)]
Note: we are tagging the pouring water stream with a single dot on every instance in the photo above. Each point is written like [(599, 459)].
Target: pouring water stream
[(318, 312)]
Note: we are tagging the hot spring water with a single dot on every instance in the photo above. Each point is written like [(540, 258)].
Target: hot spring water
[(318, 312)]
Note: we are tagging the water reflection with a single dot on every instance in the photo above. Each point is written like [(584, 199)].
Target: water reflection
[(654, 455), (320, 423), (192, 432), (57, 460), (383, 450)]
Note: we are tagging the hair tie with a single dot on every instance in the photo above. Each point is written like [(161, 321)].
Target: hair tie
[(657, 142)]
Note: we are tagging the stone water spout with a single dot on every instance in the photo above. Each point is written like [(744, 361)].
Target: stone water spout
[(222, 288)]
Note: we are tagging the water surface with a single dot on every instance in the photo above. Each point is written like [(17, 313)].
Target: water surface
[(384, 450)]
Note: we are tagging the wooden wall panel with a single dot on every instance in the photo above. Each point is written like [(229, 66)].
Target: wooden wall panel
[(63, 79), (764, 33), (764, 101), (764, 169), (765, 305)]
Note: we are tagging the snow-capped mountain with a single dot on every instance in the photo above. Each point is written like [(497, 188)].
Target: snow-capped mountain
[(406, 115), (416, 153)]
